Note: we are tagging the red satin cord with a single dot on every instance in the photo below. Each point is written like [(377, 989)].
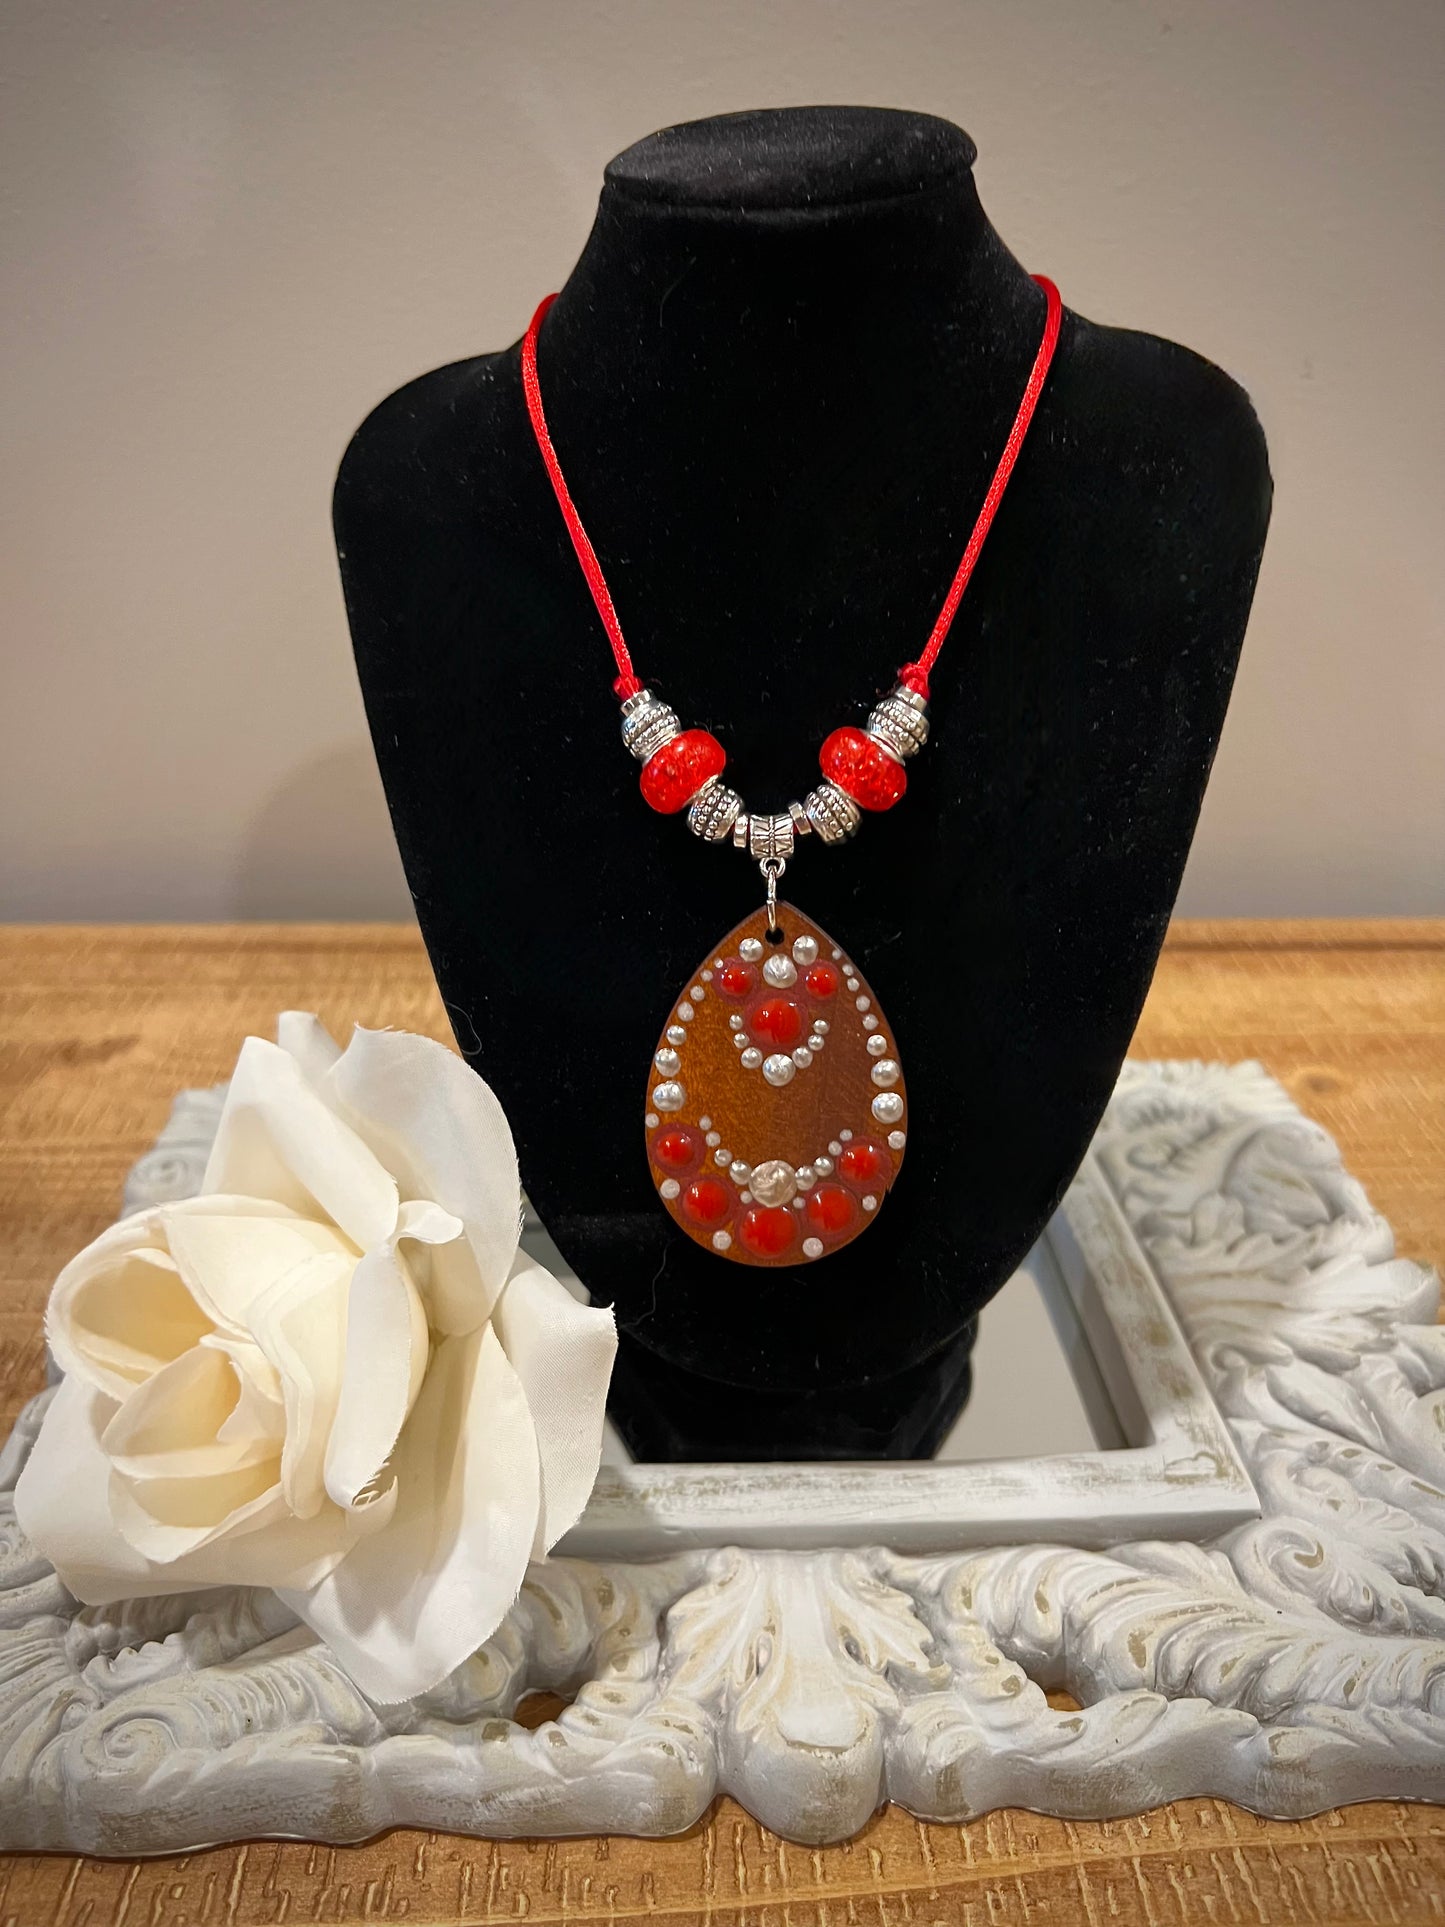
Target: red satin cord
[(627, 683), (914, 675)]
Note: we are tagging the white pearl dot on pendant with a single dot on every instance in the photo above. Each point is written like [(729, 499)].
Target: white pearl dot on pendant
[(888, 1107), (805, 951), (745, 1196), (870, 1022), (735, 1022), (669, 1187), (774, 1182), (870, 1203), (845, 1135), (697, 993), (722, 1157), (668, 1062), (750, 949), (780, 972), (806, 1176), (837, 1150), (886, 1073), (669, 1096), (652, 1120), (713, 1137), (897, 1140), (721, 1240), (820, 1024), (751, 1058), (802, 1057), (779, 1070), (676, 1034), (877, 1044), (706, 976), (862, 1003), (739, 1172), (741, 1040), (686, 1013), (812, 1247), (823, 1166), (704, 1124)]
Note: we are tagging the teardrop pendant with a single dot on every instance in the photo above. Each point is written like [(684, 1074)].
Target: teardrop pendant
[(776, 1106)]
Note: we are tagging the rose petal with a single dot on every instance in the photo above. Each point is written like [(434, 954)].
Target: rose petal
[(173, 1425), (408, 1605), (387, 1346), (120, 1309), (63, 1505), (278, 1138), (300, 1325), (563, 1354), (229, 1258), (303, 1036), (440, 1129)]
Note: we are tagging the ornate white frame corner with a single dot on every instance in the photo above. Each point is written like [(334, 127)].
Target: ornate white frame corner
[(1281, 1644)]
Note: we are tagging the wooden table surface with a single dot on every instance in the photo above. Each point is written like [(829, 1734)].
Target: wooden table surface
[(99, 1026)]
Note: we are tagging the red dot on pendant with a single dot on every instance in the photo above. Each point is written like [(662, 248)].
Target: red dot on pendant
[(821, 981), (777, 1020), (706, 1201), (862, 769), (768, 1231), (831, 1209), (736, 978), (673, 775), (678, 1148), (866, 1163)]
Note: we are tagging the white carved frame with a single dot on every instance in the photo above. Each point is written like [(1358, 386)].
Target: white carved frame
[(1248, 1601)]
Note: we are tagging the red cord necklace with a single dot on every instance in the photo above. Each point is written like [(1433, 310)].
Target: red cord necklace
[(788, 1180)]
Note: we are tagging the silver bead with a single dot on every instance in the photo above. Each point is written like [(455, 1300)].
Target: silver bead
[(713, 811), (741, 824), (832, 814), (770, 836), (647, 723), (900, 722), (800, 819)]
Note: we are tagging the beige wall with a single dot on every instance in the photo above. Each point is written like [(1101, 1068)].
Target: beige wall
[(230, 228)]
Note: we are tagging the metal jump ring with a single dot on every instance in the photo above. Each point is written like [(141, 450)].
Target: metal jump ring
[(772, 868)]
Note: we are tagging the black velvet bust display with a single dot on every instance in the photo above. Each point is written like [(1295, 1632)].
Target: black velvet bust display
[(779, 378)]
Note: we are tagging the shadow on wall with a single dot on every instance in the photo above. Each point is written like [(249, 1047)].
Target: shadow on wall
[(321, 847)]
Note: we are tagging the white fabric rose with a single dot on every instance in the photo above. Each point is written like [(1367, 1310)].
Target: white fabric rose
[(331, 1373)]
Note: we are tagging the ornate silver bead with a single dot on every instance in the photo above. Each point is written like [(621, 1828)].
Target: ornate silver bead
[(770, 836), (647, 723), (713, 811), (900, 722), (801, 825), (832, 814)]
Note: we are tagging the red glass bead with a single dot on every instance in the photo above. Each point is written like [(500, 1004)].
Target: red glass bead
[(736, 978), (831, 1210), (866, 1163), (862, 769), (768, 1231), (678, 1148), (777, 1021), (707, 1201), (673, 775), (821, 981)]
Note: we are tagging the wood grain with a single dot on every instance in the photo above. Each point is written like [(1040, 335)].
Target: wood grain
[(101, 1025)]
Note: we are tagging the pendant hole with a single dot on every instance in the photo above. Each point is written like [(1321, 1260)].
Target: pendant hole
[(774, 937)]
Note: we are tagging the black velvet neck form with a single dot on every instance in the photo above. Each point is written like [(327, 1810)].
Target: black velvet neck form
[(778, 380)]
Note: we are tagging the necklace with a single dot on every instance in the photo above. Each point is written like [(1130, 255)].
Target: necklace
[(776, 1110)]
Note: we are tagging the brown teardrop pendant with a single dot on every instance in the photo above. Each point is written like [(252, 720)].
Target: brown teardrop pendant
[(776, 1107)]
